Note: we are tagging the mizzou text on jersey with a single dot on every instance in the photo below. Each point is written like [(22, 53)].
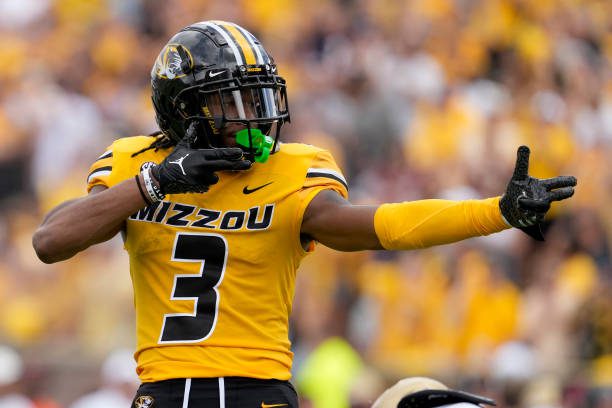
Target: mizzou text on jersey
[(212, 297)]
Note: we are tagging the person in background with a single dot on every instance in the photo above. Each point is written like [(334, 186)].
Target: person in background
[(11, 373), (118, 383)]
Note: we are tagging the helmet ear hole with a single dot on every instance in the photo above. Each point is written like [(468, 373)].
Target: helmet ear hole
[(181, 109), (187, 105)]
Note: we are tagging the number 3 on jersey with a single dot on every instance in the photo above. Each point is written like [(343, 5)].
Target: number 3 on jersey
[(211, 251)]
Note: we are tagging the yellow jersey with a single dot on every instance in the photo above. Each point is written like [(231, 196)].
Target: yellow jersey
[(214, 273)]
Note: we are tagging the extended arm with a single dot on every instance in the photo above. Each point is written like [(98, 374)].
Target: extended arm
[(80, 223), (338, 224)]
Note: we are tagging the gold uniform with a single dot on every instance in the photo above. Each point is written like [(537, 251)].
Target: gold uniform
[(214, 273)]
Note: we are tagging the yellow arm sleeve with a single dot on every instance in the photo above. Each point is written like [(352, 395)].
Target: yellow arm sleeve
[(424, 223)]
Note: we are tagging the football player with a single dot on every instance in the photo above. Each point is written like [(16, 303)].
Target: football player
[(216, 215)]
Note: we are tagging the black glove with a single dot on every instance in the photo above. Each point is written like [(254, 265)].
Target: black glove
[(527, 199), (189, 170)]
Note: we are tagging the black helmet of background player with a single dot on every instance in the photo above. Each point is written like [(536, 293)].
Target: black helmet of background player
[(209, 72)]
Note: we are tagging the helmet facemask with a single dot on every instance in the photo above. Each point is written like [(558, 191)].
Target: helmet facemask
[(256, 101)]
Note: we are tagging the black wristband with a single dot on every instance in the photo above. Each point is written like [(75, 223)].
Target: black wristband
[(142, 193)]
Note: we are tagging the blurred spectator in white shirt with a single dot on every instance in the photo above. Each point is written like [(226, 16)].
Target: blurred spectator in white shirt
[(11, 373), (118, 383)]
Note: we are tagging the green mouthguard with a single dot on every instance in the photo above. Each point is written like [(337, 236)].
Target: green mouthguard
[(260, 143)]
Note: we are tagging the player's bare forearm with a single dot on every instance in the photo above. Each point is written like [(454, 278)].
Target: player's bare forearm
[(77, 224), (338, 224)]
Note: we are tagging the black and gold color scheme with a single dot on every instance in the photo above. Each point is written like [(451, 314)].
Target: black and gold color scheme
[(215, 73), (212, 295)]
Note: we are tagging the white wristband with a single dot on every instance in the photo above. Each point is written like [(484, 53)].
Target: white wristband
[(152, 190)]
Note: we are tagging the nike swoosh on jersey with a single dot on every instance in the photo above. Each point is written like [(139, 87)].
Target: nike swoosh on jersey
[(247, 190), (264, 405)]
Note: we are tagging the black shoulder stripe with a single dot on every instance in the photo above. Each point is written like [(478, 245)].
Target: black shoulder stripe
[(104, 168), (313, 174), (99, 171), (105, 156)]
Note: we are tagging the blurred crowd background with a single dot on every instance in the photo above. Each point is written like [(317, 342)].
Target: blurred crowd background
[(416, 99)]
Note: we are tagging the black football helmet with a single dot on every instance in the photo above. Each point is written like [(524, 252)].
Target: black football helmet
[(215, 73)]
